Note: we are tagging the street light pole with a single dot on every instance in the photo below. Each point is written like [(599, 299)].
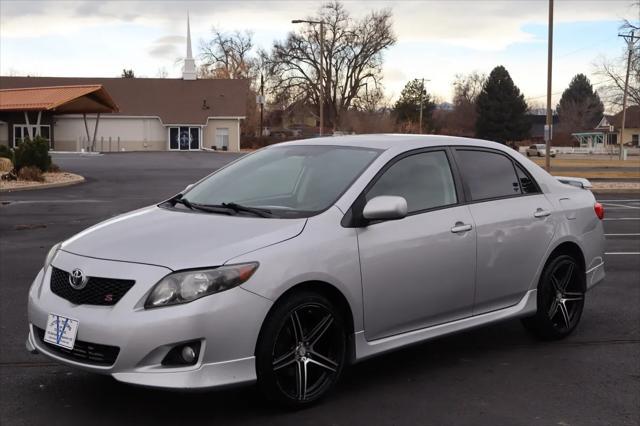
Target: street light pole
[(549, 127), (630, 39), (321, 85)]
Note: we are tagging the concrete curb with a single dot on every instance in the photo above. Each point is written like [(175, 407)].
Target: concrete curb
[(74, 181)]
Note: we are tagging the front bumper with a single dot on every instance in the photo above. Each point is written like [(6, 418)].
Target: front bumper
[(227, 324)]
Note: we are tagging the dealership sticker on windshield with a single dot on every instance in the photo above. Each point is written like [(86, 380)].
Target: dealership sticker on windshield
[(61, 331)]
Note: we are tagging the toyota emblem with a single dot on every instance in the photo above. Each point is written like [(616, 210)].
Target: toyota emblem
[(77, 279)]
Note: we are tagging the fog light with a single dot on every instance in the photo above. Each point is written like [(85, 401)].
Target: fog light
[(182, 354), (188, 354)]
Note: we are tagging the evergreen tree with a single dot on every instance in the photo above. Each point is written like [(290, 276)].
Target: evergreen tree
[(501, 109), (407, 108), (580, 107)]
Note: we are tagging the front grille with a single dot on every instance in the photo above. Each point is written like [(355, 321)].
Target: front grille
[(98, 291), (85, 352)]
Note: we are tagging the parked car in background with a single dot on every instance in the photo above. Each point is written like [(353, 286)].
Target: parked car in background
[(294, 261), (539, 150)]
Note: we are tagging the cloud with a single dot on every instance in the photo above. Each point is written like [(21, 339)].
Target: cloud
[(168, 47)]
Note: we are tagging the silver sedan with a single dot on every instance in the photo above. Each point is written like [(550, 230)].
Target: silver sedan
[(291, 263)]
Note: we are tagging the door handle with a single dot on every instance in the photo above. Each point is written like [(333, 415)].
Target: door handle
[(541, 213), (461, 227)]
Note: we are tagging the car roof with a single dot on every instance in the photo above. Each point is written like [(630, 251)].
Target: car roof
[(388, 141)]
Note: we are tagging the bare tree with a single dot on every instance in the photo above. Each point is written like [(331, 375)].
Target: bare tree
[(228, 55), (466, 88), (352, 59), (612, 72)]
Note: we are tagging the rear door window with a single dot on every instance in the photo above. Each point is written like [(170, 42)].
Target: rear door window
[(487, 174)]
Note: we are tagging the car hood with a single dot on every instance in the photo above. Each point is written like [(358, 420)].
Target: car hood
[(180, 239)]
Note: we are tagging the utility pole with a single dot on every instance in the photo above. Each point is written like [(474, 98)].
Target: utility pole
[(421, 92), (321, 76), (548, 131), (261, 104), (630, 39), (321, 85)]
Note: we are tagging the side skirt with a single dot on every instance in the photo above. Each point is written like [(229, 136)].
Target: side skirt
[(365, 349)]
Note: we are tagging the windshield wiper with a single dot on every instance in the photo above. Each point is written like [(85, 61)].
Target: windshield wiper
[(195, 206), (254, 210), (177, 199)]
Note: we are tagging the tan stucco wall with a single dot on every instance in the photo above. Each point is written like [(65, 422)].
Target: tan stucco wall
[(209, 137), (628, 134), (4, 134), (136, 134)]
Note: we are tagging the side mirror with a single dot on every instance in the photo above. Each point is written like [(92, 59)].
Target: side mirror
[(385, 207)]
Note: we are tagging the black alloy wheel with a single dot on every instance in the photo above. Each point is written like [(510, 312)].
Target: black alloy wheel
[(561, 294), (301, 351)]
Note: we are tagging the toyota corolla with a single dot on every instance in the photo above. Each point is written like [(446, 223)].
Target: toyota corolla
[(292, 262)]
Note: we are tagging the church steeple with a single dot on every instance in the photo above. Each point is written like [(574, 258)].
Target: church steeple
[(189, 69)]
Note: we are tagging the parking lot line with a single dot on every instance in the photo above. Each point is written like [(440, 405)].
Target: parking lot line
[(621, 206), (621, 235), (623, 252)]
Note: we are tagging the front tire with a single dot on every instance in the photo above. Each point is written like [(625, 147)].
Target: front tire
[(561, 293), (301, 351)]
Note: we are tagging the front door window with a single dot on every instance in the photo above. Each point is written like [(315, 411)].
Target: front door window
[(184, 138)]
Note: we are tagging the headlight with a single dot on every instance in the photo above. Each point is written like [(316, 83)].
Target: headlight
[(51, 255), (184, 287)]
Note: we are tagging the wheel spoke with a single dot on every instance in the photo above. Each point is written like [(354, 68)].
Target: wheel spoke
[(325, 359), (297, 326), (555, 283), (323, 365), (572, 297), (284, 360), (566, 279), (553, 309), (320, 329), (565, 314), (301, 380)]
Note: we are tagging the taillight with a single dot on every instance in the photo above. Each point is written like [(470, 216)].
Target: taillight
[(599, 209)]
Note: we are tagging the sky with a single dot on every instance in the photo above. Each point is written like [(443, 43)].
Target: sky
[(436, 39)]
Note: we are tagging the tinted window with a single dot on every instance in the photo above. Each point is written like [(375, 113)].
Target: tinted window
[(488, 175), (527, 184), (424, 180)]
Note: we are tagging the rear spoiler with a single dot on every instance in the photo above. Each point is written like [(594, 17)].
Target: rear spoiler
[(575, 181)]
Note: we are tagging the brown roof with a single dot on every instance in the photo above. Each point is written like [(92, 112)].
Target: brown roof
[(175, 101), (631, 121), (61, 99)]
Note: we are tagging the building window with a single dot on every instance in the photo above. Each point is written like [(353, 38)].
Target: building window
[(21, 131), (634, 139), (222, 138), (184, 138)]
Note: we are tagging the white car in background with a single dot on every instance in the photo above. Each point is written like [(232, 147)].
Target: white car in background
[(539, 150)]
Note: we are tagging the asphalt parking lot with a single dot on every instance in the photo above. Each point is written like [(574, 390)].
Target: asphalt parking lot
[(497, 375)]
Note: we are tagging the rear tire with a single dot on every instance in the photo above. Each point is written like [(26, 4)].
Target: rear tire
[(301, 350), (561, 293), (528, 154)]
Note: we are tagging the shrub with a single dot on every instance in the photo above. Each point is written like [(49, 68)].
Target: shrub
[(6, 152), (31, 173), (32, 153), (5, 165), (54, 168)]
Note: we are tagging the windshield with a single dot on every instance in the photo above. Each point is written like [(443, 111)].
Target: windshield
[(289, 181)]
